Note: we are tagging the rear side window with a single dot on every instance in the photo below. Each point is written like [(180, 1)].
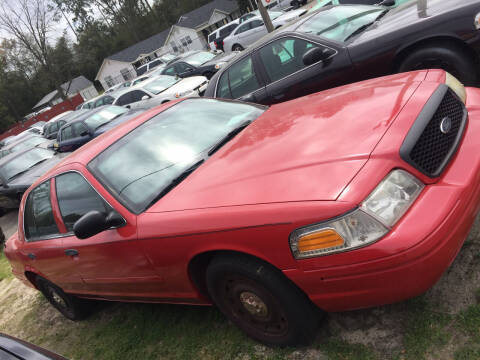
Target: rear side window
[(38, 219), (241, 80), (154, 63), (76, 197), (212, 36), (79, 128), (124, 99), (67, 133), (141, 70), (137, 95), (243, 28)]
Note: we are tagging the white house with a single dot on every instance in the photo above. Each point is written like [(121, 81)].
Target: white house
[(189, 33), (80, 85)]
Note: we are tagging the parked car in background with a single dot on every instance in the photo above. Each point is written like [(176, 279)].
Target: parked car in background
[(215, 38), (375, 201), (19, 170), (161, 89), (101, 100), (342, 44), (202, 63), (278, 5), (318, 4), (51, 129), (90, 125), (7, 140), (23, 144), (253, 29), (15, 349), (38, 127), (149, 66)]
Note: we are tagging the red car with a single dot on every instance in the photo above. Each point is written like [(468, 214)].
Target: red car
[(353, 197)]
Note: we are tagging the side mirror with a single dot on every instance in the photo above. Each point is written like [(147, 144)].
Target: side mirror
[(316, 55), (145, 97), (94, 222)]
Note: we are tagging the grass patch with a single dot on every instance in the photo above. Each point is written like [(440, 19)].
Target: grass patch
[(469, 352), (341, 350), (5, 269), (425, 329), (469, 322)]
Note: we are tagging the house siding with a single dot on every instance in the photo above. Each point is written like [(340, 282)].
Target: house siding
[(113, 69)]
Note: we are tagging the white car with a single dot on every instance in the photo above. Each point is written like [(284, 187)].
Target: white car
[(253, 29), (215, 37), (160, 90)]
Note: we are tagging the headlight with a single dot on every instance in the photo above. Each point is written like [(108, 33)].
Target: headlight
[(363, 226), (453, 83), (219, 65), (183, 93)]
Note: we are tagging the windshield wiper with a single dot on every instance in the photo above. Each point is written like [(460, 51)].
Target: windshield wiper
[(364, 27), (174, 183), (228, 137)]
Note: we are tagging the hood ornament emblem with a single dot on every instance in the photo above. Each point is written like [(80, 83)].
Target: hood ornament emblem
[(446, 125)]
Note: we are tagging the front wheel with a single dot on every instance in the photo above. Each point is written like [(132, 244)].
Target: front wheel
[(261, 301), (237, 47), (70, 306), (449, 58)]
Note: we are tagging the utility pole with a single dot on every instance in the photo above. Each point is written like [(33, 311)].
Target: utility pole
[(265, 16)]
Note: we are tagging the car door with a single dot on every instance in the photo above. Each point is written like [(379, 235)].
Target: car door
[(242, 81), (287, 77), (258, 30), (73, 136), (111, 264), (183, 69), (43, 247)]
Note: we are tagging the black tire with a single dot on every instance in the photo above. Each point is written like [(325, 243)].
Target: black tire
[(451, 58), (237, 47), (70, 306), (258, 298)]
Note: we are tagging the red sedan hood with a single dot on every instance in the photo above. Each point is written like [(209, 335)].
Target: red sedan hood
[(306, 149)]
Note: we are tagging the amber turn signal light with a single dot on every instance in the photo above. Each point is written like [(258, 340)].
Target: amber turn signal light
[(320, 240)]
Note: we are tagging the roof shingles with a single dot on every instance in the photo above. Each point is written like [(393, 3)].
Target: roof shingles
[(201, 15)]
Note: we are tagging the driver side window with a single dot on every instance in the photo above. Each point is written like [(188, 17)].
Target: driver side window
[(284, 57), (67, 133), (38, 219), (76, 197)]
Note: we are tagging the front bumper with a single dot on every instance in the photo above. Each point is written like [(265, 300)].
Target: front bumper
[(435, 226)]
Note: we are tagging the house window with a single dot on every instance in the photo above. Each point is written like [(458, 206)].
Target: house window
[(183, 41), (109, 81), (189, 39), (125, 73), (174, 46)]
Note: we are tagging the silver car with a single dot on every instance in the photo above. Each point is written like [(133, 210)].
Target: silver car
[(253, 29)]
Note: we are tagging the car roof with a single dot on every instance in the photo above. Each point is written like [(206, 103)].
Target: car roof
[(85, 115), (19, 141), (14, 155)]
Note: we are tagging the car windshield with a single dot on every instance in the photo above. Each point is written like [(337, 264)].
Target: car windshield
[(199, 58), (273, 14), (340, 22), (104, 116), (34, 141), (145, 162), (24, 162), (161, 83)]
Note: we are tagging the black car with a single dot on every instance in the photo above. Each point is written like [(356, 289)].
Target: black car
[(202, 63), (15, 349), (19, 170), (343, 44), (92, 124), (51, 128)]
